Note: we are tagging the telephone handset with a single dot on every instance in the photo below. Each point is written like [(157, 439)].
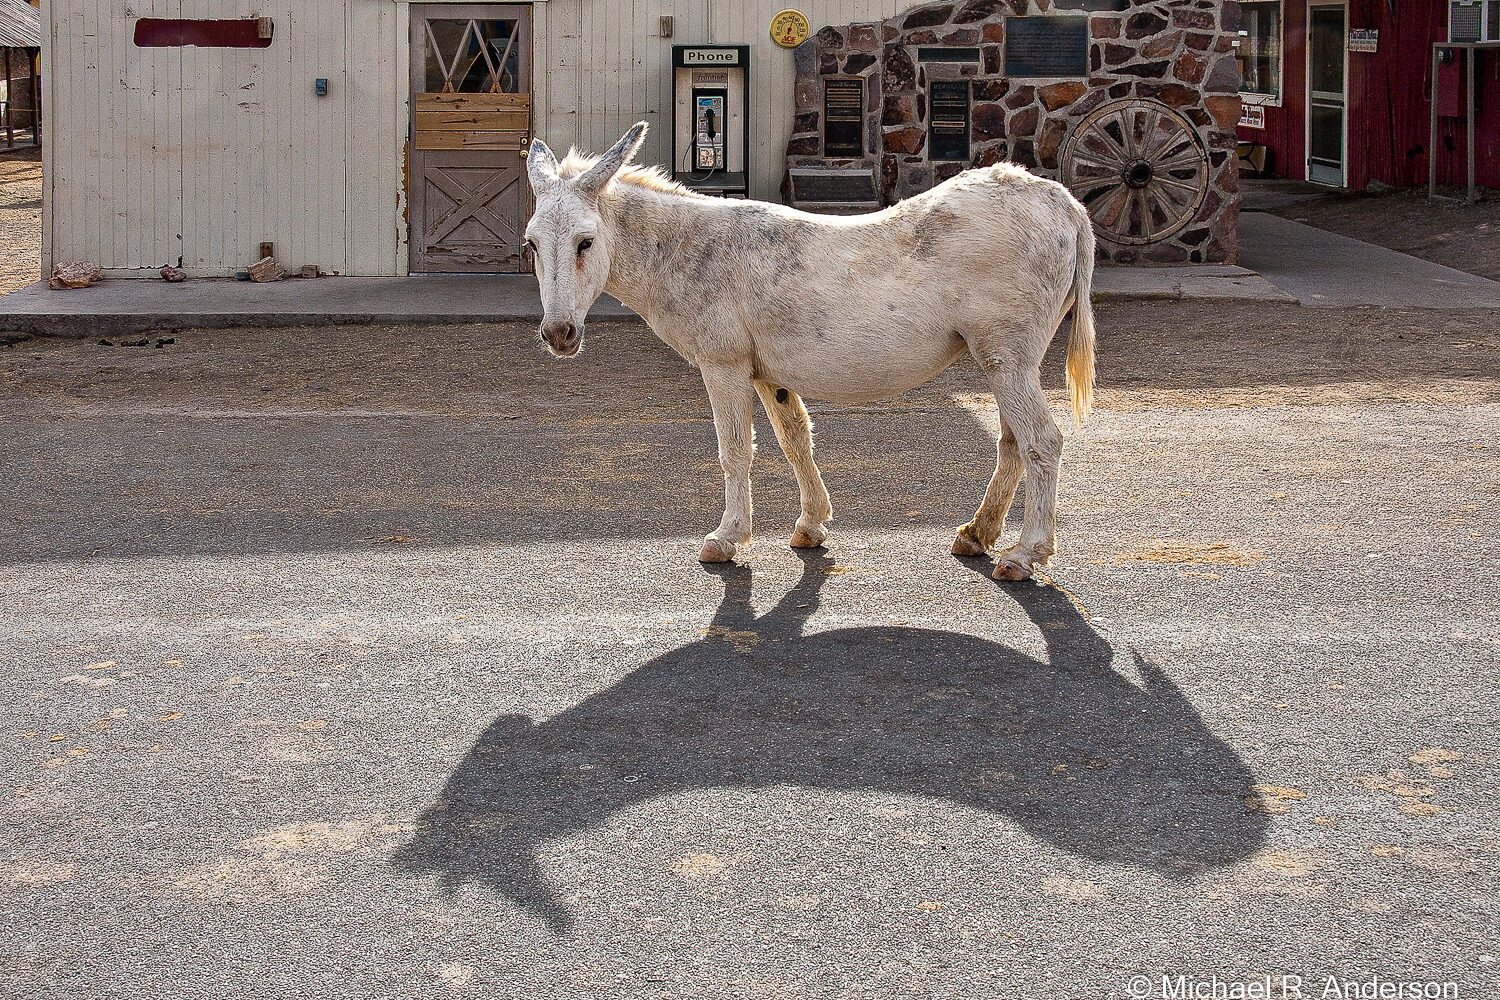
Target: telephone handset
[(708, 129)]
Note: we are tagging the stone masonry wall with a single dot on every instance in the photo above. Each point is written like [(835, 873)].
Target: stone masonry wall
[(1177, 52)]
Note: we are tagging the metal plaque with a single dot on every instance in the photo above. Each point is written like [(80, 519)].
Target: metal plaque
[(710, 57), (1046, 46), (844, 117), (819, 186), (948, 135)]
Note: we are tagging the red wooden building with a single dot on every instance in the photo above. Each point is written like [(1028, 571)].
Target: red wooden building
[(1340, 91)]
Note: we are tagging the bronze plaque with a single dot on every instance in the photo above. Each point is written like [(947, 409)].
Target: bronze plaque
[(1046, 46)]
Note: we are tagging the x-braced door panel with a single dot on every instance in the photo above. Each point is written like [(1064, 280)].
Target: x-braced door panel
[(470, 125)]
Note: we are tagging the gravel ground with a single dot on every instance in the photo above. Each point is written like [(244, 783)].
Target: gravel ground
[(20, 219), (368, 662)]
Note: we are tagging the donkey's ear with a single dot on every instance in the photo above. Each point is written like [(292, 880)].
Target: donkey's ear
[(593, 180), (541, 165)]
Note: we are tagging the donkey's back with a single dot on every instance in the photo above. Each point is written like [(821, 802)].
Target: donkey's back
[(988, 262)]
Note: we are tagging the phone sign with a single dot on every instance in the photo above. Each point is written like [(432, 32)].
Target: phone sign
[(710, 57)]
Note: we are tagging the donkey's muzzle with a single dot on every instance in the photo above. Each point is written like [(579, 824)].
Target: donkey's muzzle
[(562, 339)]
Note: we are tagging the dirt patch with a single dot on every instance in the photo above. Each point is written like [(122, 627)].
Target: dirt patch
[(1151, 354), (1200, 553), (1465, 237), (1185, 354), (20, 219)]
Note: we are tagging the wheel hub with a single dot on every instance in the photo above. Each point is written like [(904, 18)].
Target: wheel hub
[(1137, 174)]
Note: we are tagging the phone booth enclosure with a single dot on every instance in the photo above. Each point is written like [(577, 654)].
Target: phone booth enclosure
[(710, 118)]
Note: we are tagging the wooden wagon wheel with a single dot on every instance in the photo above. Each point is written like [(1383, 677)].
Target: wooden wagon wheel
[(1139, 168)]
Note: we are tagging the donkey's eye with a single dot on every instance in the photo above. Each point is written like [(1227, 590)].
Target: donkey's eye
[(584, 245)]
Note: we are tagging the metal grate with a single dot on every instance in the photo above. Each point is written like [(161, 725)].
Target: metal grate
[(843, 118), (1465, 21)]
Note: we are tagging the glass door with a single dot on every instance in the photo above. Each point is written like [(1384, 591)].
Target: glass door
[(1326, 104)]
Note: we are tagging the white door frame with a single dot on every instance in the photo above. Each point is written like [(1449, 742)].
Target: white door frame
[(1307, 164)]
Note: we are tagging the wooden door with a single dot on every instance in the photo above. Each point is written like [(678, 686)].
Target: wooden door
[(470, 125)]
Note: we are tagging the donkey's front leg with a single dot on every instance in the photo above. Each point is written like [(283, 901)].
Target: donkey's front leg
[(731, 392)]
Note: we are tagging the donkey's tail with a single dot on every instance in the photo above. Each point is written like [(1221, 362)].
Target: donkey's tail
[(1081, 342)]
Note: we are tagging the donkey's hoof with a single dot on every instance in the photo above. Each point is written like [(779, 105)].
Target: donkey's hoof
[(716, 550), (808, 538), (963, 545), (1007, 570)]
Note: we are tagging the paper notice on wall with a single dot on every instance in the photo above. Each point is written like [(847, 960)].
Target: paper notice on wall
[(1252, 116), (1364, 39)]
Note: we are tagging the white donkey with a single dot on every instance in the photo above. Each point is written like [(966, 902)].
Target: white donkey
[(769, 300)]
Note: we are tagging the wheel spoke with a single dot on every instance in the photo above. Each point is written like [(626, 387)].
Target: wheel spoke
[(1093, 161), (1138, 198), (1186, 160), (1127, 129), (1169, 210), (1114, 202), (1114, 146), (1173, 133), (1089, 183), (1166, 181)]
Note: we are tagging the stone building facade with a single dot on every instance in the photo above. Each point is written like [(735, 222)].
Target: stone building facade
[(1143, 131)]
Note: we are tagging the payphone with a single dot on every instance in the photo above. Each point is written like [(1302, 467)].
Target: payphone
[(710, 122), (708, 128)]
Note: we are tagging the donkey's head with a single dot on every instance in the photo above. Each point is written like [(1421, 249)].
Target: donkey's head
[(569, 238)]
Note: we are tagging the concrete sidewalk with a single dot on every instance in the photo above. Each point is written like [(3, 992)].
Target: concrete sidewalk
[(1284, 261), (125, 306), (1321, 268)]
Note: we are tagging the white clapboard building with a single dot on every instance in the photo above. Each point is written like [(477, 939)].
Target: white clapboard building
[(386, 137), (368, 137)]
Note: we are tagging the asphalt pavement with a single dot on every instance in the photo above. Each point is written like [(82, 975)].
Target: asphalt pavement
[(375, 662)]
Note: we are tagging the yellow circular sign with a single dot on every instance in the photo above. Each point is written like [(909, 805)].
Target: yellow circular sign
[(790, 29)]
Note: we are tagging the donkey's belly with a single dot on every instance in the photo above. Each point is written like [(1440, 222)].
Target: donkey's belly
[(857, 369)]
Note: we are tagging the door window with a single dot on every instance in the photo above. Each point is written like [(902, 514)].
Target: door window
[(472, 56)]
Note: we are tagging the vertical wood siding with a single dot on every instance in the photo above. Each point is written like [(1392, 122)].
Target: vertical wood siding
[(1389, 101), (607, 67), (201, 154), (156, 154), (112, 137)]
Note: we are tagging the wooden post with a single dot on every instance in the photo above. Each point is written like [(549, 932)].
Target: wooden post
[(10, 118), (1432, 134), (1471, 59), (36, 96)]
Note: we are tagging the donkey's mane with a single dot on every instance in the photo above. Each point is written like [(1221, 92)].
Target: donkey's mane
[(652, 178)]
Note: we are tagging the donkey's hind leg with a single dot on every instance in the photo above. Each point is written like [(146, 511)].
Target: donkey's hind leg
[(976, 537), (794, 432), (1023, 409)]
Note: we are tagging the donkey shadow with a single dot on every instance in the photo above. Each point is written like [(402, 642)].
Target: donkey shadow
[(1069, 750)]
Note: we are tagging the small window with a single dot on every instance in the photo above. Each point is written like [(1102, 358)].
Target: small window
[(948, 134), (1260, 51), (844, 117)]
